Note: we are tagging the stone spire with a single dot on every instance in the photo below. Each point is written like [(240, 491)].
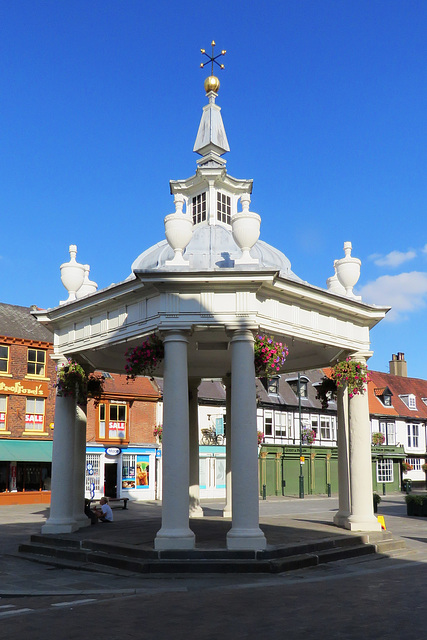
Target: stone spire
[(211, 141)]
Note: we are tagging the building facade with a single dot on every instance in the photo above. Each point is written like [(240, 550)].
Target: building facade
[(27, 404), (122, 456), (398, 409)]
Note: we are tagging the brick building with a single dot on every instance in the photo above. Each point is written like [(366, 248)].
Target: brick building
[(122, 456), (27, 404)]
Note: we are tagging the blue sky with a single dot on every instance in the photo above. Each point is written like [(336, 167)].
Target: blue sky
[(324, 104)]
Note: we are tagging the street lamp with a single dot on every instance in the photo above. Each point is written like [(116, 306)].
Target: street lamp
[(301, 475)]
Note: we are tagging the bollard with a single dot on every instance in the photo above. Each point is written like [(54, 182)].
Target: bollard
[(264, 492), (329, 489)]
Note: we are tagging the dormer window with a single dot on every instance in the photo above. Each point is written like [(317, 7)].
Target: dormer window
[(223, 208), (273, 386), (410, 400), (199, 208), (303, 387), (384, 395)]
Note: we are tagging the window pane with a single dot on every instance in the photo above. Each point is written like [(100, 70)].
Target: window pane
[(36, 362), (122, 413)]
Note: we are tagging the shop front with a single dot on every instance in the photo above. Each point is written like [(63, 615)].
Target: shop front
[(25, 472), (121, 473)]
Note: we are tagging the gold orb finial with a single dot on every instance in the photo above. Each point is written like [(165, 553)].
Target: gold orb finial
[(212, 83)]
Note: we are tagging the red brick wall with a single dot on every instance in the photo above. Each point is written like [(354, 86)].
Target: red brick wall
[(141, 420), (16, 405)]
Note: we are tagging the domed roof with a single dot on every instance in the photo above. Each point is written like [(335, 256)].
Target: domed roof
[(212, 248)]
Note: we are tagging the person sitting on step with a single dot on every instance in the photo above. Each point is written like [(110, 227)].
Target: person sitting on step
[(104, 513)]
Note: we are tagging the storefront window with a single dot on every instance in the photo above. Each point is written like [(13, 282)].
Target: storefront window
[(3, 412), (385, 470), (93, 476), (116, 414), (34, 414)]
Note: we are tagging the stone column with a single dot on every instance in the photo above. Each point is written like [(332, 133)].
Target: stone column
[(175, 532), (344, 510), (362, 510), (196, 510), (228, 511), (80, 467), (245, 532), (61, 518)]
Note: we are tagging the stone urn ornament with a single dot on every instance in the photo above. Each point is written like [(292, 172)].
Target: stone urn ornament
[(333, 284), (245, 226), (72, 275), (178, 231), (88, 286), (348, 271)]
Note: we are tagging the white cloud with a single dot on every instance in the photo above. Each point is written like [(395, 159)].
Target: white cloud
[(405, 293), (424, 249), (394, 258)]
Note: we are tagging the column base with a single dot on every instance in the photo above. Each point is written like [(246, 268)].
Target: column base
[(174, 539), (354, 523), (227, 512), (196, 512), (56, 526), (84, 523), (340, 518), (246, 539)]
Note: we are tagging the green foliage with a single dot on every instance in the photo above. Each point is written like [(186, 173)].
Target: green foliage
[(142, 360), (326, 391), (73, 381), (378, 438), (351, 374), (420, 499)]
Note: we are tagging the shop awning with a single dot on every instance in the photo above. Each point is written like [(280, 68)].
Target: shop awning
[(25, 451)]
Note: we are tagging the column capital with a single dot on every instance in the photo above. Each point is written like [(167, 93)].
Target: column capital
[(175, 335), (242, 334), (361, 356)]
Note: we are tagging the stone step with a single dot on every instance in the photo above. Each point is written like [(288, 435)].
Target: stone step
[(89, 555)]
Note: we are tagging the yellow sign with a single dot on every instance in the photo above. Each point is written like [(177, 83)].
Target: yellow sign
[(24, 387), (302, 459), (382, 522)]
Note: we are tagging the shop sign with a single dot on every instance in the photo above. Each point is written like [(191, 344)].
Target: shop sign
[(24, 388), (113, 451)]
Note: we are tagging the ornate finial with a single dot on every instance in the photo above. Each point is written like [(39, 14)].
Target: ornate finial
[(212, 82)]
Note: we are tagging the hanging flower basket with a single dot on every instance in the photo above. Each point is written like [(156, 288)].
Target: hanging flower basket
[(308, 436), (143, 360), (424, 467), (260, 437), (73, 381), (350, 374), (269, 356), (326, 391), (158, 433), (378, 438), (406, 466)]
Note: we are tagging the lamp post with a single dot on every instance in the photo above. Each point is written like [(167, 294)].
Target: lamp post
[(301, 475)]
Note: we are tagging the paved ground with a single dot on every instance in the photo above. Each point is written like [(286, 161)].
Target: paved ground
[(369, 598), (284, 520)]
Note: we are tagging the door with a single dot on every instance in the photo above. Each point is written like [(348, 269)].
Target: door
[(110, 483)]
